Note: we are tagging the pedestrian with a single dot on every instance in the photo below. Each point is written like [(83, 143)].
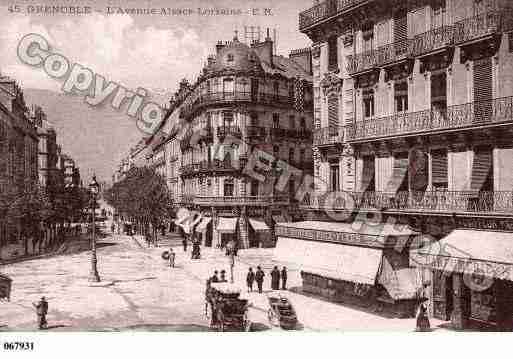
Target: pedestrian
[(275, 278), (250, 278), (112, 227), (184, 243), (423, 320), (41, 311), (223, 277), (215, 278), (284, 278), (171, 258), (259, 277)]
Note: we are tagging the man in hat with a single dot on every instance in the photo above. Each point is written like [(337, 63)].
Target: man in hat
[(41, 311), (284, 278), (259, 278), (275, 278)]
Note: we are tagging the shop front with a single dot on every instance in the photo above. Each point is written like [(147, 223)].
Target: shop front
[(354, 263), (259, 233), (472, 278), (204, 231), (226, 231)]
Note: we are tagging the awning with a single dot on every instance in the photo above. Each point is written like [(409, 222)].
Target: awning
[(203, 224), (258, 225), (227, 225), (474, 252), (402, 283), (349, 263)]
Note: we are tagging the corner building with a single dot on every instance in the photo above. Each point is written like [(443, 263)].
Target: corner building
[(414, 117), (246, 99)]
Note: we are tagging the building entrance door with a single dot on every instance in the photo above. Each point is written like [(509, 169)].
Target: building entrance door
[(442, 295)]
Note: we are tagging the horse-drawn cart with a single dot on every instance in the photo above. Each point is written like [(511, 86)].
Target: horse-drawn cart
[(227, 311)]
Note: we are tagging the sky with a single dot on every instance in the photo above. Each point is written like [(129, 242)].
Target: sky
[(150, 51)]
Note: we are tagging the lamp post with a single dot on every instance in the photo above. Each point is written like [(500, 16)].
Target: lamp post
[(94, 188)]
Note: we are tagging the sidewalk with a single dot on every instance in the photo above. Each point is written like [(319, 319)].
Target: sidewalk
[(313, 313)]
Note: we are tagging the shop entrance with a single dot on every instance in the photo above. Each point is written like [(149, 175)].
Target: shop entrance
[(442, 295)]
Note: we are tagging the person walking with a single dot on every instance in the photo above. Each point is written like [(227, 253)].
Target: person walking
[(172, 256), (259, 277), (41, 311), (284, 278), (112, 228), (250, 278), (184, 243), (275, 278), (423, 324)]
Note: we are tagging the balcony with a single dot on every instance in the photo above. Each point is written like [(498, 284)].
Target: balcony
[(467, 116), (479, 26), (189, 169), (443, 202), (186, 199), (385, 54), (279, 133), (432, 40), (328, 136), (225, 131), (300, 133), (324, 11), (256, 132), (221, 98), (240, 200)]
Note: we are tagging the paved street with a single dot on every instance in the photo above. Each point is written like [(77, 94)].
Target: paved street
[(148, 295)]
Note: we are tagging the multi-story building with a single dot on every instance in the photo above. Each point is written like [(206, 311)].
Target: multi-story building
[(246, 101), (18, 146), (414, 116), (47, 150)]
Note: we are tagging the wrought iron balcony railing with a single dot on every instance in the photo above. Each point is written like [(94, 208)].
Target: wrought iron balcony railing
[(328, 136), (217, 98), (241, 200), (324, 11), (469, 115), (278, 133), (224, 131), (432, 40), (430, 201), (256, 132), (469, 29)]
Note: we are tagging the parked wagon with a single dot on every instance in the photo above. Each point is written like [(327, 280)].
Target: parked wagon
[(281, 313), (226, 310), (5, 287)]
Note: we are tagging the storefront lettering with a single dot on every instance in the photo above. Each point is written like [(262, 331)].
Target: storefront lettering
[(328, 236)]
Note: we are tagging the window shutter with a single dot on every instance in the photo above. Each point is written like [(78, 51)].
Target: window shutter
[(481, 168), (439, 167), (399, 174), (482, 89), (368, 174), (333, 112)]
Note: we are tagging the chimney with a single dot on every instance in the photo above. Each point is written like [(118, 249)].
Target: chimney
[(302, 57), (264, 49)]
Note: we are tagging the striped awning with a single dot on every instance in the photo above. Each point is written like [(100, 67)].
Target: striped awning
[(258, 225), (400, 283), (227, 225), (472, 252), (343, 262)]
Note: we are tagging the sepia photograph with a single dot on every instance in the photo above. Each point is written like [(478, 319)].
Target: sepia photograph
[(272, 167)]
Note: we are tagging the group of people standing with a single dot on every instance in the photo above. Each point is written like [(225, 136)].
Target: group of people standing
[(216, 279), (258, 277)]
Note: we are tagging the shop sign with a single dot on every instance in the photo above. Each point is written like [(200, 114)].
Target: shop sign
[(328, 236)]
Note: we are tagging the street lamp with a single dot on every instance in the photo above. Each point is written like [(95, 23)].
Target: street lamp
[(94, 188)]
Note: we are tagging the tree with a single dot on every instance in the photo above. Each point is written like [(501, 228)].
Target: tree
[(143, 197)]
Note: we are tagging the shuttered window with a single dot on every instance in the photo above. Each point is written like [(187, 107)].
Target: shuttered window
[(333, 112), (400, 33), (368, 173), (482, 89), (439, 168), (482, 167), (332, 53), (399, 180)]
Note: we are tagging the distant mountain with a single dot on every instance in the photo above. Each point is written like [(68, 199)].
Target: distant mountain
[(96, 137)]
